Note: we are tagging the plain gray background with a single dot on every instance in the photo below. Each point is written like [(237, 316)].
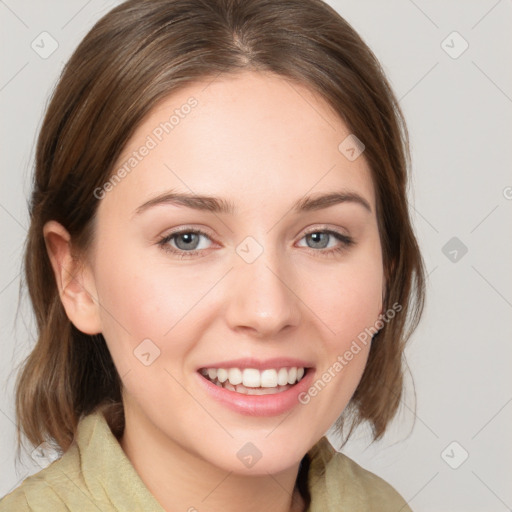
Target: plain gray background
[(458, 104)]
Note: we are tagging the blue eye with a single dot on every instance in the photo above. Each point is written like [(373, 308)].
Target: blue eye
[(187, 243), (320, 240)]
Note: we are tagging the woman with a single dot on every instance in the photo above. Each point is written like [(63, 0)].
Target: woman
[(221, 263)]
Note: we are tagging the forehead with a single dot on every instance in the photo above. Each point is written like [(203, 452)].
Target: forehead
[(253, 138)]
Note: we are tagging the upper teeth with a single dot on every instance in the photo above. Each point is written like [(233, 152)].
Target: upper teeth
[(253, 378)]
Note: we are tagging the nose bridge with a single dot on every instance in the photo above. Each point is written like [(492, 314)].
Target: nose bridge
[(261, 297)]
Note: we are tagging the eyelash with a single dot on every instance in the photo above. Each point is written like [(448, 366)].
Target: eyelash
[(346, 241)]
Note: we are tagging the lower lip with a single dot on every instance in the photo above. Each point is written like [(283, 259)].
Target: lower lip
[(259, 405)]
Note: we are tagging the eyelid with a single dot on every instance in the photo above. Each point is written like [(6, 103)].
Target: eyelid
[(164, 240), (324, 227), (189, 229)]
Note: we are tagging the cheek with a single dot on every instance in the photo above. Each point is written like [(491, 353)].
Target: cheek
[(351, 299), (349, 308), (150, 301), (136, 303)]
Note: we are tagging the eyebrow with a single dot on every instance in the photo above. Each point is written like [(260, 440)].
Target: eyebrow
[(218, 205)]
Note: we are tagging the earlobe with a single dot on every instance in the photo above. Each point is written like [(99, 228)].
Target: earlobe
[(74, 280)]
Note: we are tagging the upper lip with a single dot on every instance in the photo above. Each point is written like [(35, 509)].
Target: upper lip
[(259, 364)]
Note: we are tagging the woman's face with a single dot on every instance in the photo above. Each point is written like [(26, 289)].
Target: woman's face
[(262, 276)]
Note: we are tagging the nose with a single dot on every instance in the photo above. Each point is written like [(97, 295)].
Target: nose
[(262, 297)]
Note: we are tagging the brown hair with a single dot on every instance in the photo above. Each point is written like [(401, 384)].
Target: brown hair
[(132, 58)]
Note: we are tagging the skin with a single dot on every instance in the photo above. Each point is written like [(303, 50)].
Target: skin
[(257, 141)]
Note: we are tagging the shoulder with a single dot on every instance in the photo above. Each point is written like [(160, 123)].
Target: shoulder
[(93, 474), (42, 491), (60, 486), (338, 483), (375, 489)]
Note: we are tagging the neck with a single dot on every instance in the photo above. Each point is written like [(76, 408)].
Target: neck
[(180, 480)]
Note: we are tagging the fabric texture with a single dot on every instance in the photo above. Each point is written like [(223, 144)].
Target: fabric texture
[(95, 475)]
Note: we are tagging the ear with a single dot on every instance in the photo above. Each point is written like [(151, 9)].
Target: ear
[(74, 279)]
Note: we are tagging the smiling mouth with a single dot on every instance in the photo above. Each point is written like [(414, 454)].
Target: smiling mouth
[(250, 381)]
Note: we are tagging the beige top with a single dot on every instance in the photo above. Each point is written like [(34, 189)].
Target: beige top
[(95, 475)]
